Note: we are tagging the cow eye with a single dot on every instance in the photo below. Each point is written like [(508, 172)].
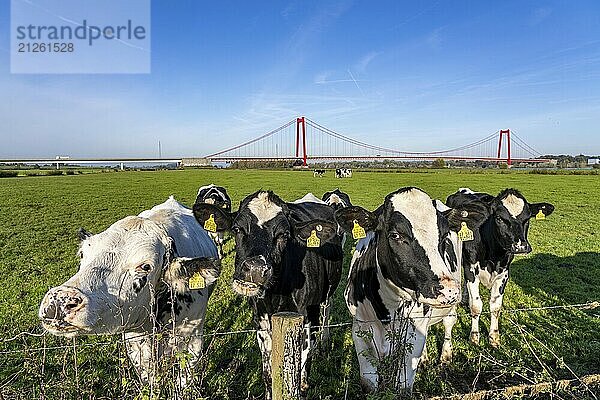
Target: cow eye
[(236, 230), (283, 236), (399, 237), (144, 268)]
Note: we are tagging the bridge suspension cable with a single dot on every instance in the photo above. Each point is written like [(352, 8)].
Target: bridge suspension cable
[(305, 139)]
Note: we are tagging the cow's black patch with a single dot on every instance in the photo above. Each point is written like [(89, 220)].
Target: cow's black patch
[(426, 308), (139, 283), (364, 283), (165, 306)]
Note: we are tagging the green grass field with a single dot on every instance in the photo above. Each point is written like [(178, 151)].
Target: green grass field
[(39, 217)]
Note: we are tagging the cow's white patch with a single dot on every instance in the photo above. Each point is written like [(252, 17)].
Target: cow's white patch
[(214, 190), (335, 199), (417, 207), (440, 206), (466, 191), (263, 208), (308, 198), (513, 204)]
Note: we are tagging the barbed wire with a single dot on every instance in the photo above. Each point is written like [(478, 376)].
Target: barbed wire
[(580, 306)]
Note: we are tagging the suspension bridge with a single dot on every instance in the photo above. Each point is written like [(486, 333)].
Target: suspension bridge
[(304, 139)]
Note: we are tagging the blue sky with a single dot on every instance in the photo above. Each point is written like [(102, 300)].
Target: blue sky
[(415, 76)]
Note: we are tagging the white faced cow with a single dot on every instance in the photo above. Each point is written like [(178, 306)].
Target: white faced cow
[(487, 258), (275, 268), (133, 279), (217, 195), (404, 275)]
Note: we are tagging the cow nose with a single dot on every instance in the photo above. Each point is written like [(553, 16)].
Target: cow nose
[(254, 264), (450, 292), (521, 248), (61, 302)]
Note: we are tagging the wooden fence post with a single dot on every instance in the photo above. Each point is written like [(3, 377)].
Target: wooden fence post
[(286, 355)]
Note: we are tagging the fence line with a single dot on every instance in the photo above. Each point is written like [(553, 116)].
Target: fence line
[(580, 306)]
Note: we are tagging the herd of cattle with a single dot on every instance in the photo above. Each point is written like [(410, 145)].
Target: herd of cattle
[(155, 272), (339, 173)]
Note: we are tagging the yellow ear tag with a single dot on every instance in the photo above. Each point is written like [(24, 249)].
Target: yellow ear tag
[(313, 240), (358, 232), (540, 215), (197, 281), (465, 234), (210, 224)]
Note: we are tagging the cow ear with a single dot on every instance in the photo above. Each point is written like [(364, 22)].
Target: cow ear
[(315, 233), (545, 208), (474, 214), (82, 234), (184, 274), (346, 217), (213, 218)]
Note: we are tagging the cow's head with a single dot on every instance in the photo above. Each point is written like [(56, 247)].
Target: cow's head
[(121, 270), (415, 243), (510, 214), (263, 229), (216, 195), (337, 199)]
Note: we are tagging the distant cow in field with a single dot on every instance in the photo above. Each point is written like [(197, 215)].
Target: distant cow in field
[(288, 258), (318, 173), (404, 276), (134, 278), (217, 195), (343, 173), (488, 256)]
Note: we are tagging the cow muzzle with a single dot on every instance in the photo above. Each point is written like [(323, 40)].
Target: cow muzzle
[(254, 275), (520, 247), (61, 310), (448, 296)]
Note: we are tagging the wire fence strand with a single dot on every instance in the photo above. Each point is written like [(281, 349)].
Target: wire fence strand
[(579, 306)]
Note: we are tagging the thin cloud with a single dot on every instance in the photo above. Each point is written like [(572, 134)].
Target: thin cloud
[(540, 14), (363, 63)]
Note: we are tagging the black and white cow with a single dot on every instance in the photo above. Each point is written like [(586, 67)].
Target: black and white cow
[(217, 195), (318, 173), (343, 173), (487, 258), (273, 265), (405, 274), (133, 279), (337, 199)]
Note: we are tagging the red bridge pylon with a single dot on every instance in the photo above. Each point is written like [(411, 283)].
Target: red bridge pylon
[(507, 133), (301, 122)]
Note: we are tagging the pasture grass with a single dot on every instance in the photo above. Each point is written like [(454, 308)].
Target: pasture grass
[(39, 218)]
